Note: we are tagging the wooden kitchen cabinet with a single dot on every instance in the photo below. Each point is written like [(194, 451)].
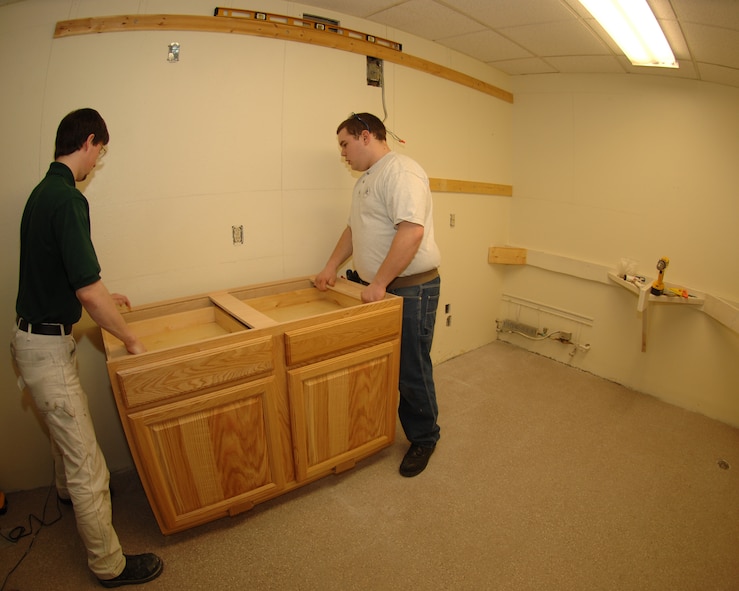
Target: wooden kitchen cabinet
[(248, 393)]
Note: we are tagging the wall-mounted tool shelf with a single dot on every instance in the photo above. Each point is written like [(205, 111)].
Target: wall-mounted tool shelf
[(721, 310), (645, 298)]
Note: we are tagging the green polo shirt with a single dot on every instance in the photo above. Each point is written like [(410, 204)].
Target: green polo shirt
[(57, 255)]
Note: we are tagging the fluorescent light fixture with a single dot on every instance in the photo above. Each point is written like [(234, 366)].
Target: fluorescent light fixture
[(633, 26)]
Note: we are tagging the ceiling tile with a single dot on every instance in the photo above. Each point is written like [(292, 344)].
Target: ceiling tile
[(713, 45), (587, 64), (427, 19), (524, 66), (512, 13), (562, 38), (719, 75), (486, 46), (719, 13), (363, 9)]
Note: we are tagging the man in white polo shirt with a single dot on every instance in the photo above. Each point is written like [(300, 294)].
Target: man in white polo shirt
[(390, 237)]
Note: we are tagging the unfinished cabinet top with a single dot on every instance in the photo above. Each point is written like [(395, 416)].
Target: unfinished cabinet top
[(170, 324)]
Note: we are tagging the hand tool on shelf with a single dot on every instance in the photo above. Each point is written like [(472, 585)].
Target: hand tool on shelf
[(678, 291), (658, 286)]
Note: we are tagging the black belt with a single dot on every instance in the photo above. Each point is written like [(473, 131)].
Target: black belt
[(398, 282), (44, 328)]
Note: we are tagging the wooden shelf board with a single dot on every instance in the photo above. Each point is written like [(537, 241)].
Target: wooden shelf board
[(474, 187)]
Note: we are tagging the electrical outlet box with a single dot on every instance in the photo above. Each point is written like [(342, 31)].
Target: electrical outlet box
[(374, 71), (173, 52)]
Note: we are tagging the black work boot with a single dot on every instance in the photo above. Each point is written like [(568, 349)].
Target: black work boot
[(140, 568), (415, 459)]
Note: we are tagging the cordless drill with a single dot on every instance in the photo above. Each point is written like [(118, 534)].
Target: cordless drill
[(658, 286)]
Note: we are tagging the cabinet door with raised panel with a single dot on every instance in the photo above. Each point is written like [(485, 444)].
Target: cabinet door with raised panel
[(343, 409), (211, 456)]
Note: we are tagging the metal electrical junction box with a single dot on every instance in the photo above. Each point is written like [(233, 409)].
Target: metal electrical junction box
[(374, 71)]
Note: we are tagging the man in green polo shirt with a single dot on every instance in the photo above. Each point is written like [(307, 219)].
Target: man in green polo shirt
[(59, 275)]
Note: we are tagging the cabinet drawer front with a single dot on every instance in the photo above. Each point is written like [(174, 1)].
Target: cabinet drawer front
[(195, 371), (310, 343)]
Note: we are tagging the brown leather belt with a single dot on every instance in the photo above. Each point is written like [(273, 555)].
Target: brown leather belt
[(44, 328), (410, 280)]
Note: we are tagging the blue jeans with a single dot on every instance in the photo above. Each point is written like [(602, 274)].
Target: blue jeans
[(418, 410)]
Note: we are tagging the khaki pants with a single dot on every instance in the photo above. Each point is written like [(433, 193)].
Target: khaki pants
[(48, 368)]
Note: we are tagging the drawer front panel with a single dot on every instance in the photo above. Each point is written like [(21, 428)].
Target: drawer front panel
[(310, 343), (195, 371)]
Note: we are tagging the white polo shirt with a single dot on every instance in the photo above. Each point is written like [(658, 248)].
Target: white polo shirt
[(395, 189)]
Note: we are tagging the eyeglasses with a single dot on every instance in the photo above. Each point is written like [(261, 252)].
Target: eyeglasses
[(103, 152), (362, 121)]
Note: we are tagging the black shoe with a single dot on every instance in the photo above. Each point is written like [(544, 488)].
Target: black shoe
[(140, 568), (415, 459)]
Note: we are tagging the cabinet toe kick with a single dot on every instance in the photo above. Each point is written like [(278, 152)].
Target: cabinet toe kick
[(241, 507), (344, 466)]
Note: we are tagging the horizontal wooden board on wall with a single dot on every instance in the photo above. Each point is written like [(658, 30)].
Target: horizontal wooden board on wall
[(473, 187), (505, 255)]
